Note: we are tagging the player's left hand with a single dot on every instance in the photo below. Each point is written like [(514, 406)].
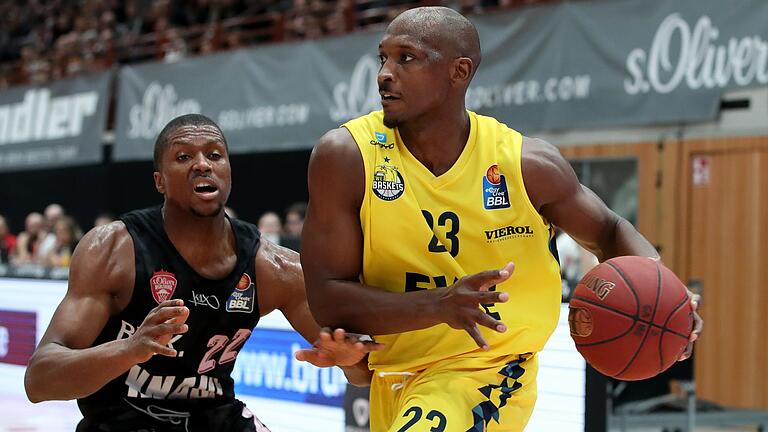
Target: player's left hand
[(337, 348), (698, 325)]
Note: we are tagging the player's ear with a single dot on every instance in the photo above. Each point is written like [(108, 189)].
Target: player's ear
[(159, 183), (462, 69)]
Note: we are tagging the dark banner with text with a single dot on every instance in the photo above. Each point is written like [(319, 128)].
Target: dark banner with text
[(571, 65), (60, 124)]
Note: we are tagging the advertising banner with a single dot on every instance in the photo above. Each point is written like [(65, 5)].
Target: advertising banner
[(61, 124)]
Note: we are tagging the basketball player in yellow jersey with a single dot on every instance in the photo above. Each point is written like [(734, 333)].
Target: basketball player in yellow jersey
[(415, 215)]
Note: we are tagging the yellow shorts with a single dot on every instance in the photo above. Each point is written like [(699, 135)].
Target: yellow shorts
[(456, 395)]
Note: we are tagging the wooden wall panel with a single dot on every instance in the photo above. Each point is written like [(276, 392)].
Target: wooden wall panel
[(726, 248), (716, 234)]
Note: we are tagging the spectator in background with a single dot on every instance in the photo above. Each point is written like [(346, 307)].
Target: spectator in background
[(174, 47), (28, 241), (67, 234), (103, 219), (294, 222), (336, 22), (209, 40), (234, 39), (7, 241), (53, 212), (35, 69), (270, 227), (5, 72), (302, 22), (130, 24)]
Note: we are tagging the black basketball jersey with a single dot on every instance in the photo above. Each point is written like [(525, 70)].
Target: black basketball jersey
[(177, 392)]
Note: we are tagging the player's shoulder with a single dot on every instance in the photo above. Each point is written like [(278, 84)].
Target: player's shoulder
[(336, 141), (536, 150), (337, 151), (488, 122), (103, 247), (104, 254), (546, 173), (105, 238)]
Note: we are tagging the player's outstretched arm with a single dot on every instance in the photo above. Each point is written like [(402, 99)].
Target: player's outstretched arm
[(64, 365), (281, 286), (557, 194), (332, 251)]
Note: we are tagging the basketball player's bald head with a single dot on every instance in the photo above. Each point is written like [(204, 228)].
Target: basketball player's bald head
[(441, 28)]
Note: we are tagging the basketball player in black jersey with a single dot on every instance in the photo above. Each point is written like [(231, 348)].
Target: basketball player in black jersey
[(160, 302)]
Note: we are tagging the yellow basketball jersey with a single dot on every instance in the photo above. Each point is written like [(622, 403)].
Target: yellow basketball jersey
[(422, 232)]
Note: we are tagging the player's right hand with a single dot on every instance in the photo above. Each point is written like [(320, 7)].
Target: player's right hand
[(338, 348), (159, 326), (459, 304)]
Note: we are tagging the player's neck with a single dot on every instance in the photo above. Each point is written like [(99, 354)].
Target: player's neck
[(206, 244), (180, 223), (437, 139)]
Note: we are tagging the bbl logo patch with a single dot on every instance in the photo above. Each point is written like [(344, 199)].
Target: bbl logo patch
[(495, 194), (388, 184), (163, 284), (241, 299)]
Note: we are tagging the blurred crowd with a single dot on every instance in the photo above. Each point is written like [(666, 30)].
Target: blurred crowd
[(285, 232), (49, 238), (41, 41)]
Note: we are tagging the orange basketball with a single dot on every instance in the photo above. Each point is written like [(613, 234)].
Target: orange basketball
[(630, 317), (493, 175)]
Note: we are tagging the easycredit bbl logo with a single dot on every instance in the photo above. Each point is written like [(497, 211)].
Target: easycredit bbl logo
[(495, 193)]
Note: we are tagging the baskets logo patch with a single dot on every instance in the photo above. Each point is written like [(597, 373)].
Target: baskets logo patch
[(388, 183)]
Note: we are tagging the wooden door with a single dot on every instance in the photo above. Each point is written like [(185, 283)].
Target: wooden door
[(727, 245)]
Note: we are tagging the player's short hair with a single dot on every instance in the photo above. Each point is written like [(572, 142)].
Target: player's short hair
[(162, 142)]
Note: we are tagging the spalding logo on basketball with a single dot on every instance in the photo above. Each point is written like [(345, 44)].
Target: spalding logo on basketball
[(630, 317)]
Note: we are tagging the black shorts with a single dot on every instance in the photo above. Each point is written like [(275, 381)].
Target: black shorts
[(230, 417)]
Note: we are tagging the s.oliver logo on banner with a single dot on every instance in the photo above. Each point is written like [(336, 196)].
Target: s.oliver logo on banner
[(698, 57), (17, 336), (159, 105), (360, 95)]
